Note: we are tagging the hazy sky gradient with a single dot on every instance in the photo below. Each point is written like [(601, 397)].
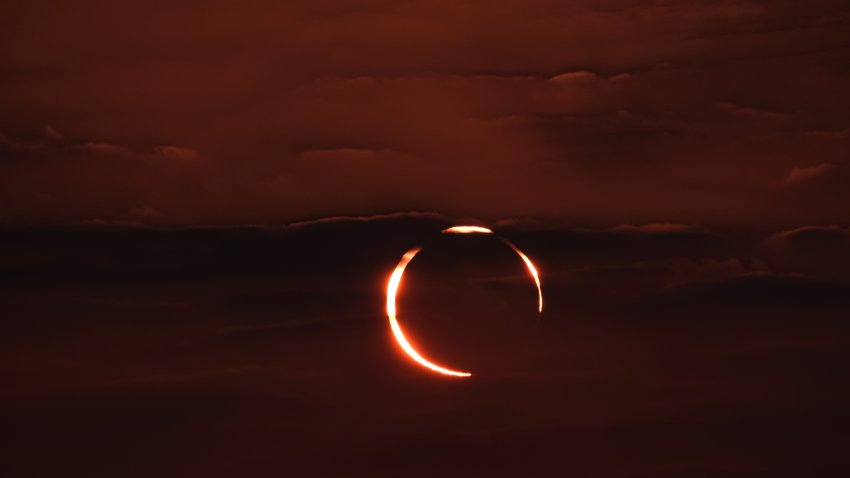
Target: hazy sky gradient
[(260, 111)]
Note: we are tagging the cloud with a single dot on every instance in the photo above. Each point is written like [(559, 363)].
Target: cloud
[(648, 277), (575, 77), (524, 114), (741, 295), (146, 213), (811, 235), (176, 153), (803, 174), (357, 155), (54, 144), (412, 215), (658, 228), (815, 192), (184, 378), (12, 147), (819, 251), (587, 77), (52, 133), (831, 135), (746, 110), (104, 148)]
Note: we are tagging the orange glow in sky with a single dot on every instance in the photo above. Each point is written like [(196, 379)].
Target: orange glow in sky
[(467, 230), (532, 270), (395, 282), (392, 290)]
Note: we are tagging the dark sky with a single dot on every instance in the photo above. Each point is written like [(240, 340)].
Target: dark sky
[(201, 203), (265, 111), (264, 351)]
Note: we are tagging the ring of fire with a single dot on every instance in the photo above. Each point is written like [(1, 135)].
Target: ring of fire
[(395, 283)]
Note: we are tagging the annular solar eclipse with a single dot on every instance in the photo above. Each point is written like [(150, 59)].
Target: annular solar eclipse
[(395, 283)]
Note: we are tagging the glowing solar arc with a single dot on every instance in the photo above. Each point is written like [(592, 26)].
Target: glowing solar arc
[(395, 282)]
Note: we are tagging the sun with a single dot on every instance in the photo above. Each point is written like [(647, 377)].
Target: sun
[(394, 284)]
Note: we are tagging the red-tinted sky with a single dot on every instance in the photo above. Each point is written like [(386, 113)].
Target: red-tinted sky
[(262, 111), (678, 171)]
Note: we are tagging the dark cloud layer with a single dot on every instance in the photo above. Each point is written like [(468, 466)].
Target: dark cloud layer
[(664, 350), (615, 111)]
